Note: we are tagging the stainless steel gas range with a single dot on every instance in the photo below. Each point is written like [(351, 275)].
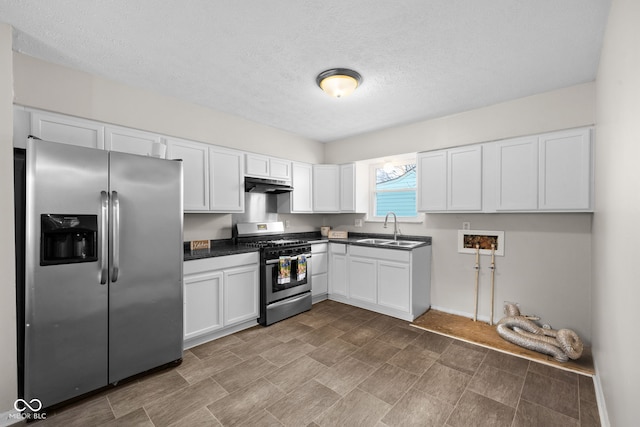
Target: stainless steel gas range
[(285, 270)]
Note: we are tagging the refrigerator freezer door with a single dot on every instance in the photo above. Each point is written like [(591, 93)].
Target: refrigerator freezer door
[(65, 305), (145, 302)]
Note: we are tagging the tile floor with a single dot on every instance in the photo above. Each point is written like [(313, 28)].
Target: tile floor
[(341, 365)]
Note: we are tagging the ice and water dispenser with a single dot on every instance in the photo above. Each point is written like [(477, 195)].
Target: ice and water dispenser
[(68, 239)]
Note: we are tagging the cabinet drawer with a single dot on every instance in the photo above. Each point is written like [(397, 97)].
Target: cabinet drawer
[(221, 262), (337, 248), (319, 263), (318, 248)]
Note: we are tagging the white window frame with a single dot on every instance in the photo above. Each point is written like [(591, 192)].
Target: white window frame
[(371, 217)]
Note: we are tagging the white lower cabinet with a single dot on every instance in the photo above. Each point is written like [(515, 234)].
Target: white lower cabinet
[(319, 271), (202, 303), (394, 285), (362, 279), (337, 269), (388, 281), (221, 296), (239, 294)]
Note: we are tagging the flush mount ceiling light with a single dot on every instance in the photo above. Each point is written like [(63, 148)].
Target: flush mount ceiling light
[(339, 82)]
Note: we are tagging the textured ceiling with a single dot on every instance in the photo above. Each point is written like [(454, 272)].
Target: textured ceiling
[(258, 59)]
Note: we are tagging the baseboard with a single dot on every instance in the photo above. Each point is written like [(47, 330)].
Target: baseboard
[(195, 341), (319, 298), (602, 406)]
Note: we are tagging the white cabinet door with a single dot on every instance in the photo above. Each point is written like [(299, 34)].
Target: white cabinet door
[(202, 303), (67, 130), (326, 188), (319, 269), (280, 169), (517, 178), (338, 269), (302, 181), (241, 287), (319, 284), (257, 165), (320, 263), (432, 181), (394, 285), (347, 188), (227, 180), (133, 142), (195, 166), (464, 178), (565, 170), (362, 279), (267, 167)]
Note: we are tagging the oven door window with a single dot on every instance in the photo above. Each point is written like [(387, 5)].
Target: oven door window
[(289, 272)]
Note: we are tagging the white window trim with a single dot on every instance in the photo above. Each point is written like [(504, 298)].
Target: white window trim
[(371, 217)]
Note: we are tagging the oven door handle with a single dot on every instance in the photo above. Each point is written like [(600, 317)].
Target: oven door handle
[(275, 261), (288, 301)]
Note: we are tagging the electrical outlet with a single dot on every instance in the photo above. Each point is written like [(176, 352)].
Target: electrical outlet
[(358, 222), (466, 226), (286, 223)]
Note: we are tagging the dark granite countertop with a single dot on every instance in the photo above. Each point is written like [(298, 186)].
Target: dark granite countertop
[(225, 247), (217, 248), (354, 237)]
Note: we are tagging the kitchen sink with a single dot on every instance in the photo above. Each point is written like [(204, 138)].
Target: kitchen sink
[(374, 241), (388, 242), (402, 243)]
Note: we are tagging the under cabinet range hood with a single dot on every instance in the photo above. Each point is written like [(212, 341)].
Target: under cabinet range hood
[(265, 185)]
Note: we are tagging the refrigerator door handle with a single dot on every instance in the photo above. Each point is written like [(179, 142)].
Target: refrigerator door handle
[(115, 236), (104, 241)]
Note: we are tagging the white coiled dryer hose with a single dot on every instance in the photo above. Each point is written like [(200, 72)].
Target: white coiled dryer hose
[(563, 344)]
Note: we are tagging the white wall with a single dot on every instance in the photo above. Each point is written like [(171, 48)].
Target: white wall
[(48, 86), (616, 283), (547, 262), (8, 374), (560, 109), (52, 87)]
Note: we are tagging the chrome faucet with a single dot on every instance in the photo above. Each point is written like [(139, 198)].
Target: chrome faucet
[(395, 224)]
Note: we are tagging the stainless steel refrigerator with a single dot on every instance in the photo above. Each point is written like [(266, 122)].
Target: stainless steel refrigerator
[(101, 294)]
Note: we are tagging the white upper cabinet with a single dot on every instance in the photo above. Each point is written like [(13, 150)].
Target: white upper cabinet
[(450, 180), (517, 169), (353, 188), (551, 172), (565, 178), (195, 166), (67, 130), (213, 176), (226, 180), (280, 168), (464, 178), (326, 188), (267, 167), (432, 181), (134, 142), (257, 165), (300, 200)]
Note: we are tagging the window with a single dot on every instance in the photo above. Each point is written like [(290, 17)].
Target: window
[(394, 190)]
